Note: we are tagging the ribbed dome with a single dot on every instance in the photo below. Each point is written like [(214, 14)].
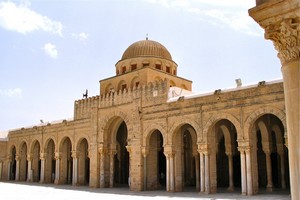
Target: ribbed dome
[(146, 48)]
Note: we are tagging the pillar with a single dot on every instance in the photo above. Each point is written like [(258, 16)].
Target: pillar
[(197, 163), (202, 173), (17, 168), (75, 168), (282, 170), (145, 154), (168, 173), (172, 175), (111, 167), (281, 21), (42, 175), (230, 170), (249, 172), (170, 181), (9, 167), (243, 172), (1, 169), (207, 173), (269, 171), (29, 168), (102, 167), (57, 166)]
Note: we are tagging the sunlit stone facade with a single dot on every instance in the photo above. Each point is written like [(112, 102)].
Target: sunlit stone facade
[(148, 131)]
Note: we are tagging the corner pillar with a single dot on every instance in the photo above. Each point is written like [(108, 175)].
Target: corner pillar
[(281, 21)]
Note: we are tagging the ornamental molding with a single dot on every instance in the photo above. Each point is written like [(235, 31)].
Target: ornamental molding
[(286, 38)]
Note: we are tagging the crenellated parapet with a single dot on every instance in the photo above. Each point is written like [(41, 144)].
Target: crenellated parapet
[(150, 93), (82, 108)]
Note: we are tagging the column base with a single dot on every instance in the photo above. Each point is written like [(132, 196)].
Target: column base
[(269, 188), (230, 189)]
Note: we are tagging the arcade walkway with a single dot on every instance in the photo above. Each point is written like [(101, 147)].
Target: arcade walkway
[(31, 191)]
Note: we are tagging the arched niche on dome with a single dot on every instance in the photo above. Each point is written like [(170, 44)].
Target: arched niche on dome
[(158, 65), (146, 63)]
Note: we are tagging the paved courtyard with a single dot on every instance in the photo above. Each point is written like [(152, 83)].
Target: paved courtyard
[(31, 191)]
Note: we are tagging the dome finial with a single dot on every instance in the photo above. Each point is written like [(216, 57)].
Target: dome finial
[(146, 36)]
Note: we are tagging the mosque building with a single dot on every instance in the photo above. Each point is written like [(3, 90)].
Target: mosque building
[(148, 131)]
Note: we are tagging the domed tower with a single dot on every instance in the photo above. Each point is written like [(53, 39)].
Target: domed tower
[(143, 62)]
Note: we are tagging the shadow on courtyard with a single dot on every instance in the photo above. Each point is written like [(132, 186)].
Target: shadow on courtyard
[(222, 194)]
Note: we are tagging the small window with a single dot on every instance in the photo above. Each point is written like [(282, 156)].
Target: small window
[(123, 69), (174, 72), (137, 84), (145, 64), (168, 69), (158, 66), (133, 67), (117, 72)]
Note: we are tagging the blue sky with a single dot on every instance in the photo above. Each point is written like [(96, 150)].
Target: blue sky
[(52, 50)]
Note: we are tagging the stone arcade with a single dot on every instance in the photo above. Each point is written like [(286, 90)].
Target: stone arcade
[(148, 131)]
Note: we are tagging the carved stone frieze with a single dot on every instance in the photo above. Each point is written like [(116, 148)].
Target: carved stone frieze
[(286, 38)]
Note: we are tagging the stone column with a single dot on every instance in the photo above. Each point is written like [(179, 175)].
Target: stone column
[(75, 168), (243, 172), (207, 173), (281, 21), (269, 171), (29, 168), (172, 175), (1, 169), (249, 172), (42, 175), (17, 175), (168, 173), (145, 154), (111, 167), (9, 158), (170, 182), (282, 170), (202, 172), (102, 167), (57, 167), (230, 166), (197, 163)]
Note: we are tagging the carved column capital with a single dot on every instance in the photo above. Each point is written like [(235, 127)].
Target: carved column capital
[(75, 154), (203, 148), (145, 151), (57, 155), (285, 35), (29, 157), (102, 150), (18, 157), (43, 156)]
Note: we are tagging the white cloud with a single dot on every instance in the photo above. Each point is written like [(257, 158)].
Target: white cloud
[(229, 13), (23, 20), (80, 36), (16, 92), (50, 50)]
